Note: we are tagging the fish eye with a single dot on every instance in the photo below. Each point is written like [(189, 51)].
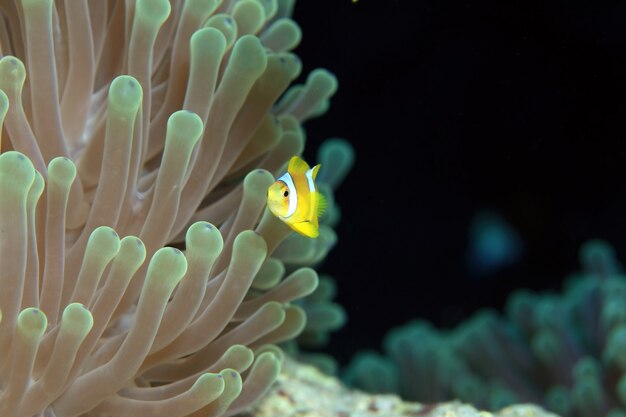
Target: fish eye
[(286, 193)]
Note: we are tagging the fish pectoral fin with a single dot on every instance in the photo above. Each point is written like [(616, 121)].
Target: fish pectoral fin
[(322, 204), (306, 228)]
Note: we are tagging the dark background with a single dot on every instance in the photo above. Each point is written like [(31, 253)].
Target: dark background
[(454, 108)]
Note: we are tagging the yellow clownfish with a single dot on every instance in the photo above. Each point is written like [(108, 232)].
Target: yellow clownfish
[(294, 198)]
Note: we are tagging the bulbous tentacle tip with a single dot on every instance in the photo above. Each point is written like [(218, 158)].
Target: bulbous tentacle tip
[(32, 323), (597, 256), (250, 16), (270, 7), (269, 275), (251, 243), (205, 235), (307, 279), (257, 182), (16, 169), (77, 320), (154, 12), (125, 93), (283, 35), (209, 385), (278, 353), (208, 40), (185, 125), (12, 63), (233, 386), (225, 25), (105, 242), (249, 56), (337, 155), (12, 74), (167, 266), (61, 171)]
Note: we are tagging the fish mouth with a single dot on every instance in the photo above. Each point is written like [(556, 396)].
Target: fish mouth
[(273, 205)]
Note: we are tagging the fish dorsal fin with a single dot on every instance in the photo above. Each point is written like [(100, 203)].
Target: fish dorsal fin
[(315, 169), (308, 229), (297, 165), (322, 204)]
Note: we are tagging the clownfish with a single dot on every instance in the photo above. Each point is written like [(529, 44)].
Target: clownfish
[(295, 200)]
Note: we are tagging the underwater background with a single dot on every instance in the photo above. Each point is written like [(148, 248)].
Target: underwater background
[(460, 112), (482, 223)]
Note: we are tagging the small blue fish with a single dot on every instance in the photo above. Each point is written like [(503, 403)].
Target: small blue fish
[(493, 245)]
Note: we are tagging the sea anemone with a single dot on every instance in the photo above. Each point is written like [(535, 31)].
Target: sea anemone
[(137, 264)]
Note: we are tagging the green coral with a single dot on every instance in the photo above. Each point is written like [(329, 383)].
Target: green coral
[(563, 351)]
